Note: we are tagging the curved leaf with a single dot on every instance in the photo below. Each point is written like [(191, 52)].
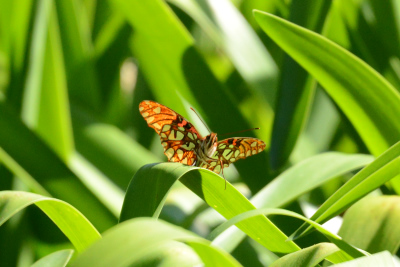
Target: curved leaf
[(38, 167), (148, 189), (337, 240), (309, 257), (367, 99), (130, 241), (372, 224), (368, 179), (378, 259), (294, 182), (71, 222), (56, 259)]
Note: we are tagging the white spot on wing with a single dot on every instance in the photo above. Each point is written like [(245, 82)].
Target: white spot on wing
[(180, 153), (253, 144), (166, 127), (190, 147), (157, 110), (150, 119), (217, 169), (179, 135), (170, 152), (145, 114), (227, 154), (141, 108)]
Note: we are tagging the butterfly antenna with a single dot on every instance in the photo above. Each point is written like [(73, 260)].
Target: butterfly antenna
[(200, 119), (240, 131)]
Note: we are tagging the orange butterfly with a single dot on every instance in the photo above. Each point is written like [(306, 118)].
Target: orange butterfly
[(183, 143)]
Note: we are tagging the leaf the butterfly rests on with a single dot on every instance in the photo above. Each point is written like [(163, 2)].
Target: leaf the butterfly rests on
[(182, 143)]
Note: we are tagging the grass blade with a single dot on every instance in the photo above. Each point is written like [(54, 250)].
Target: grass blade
[(148, 189), (310, 256), (368, 179), (296, 181), (56, 259), (118, 243), (71, 222), (367, 99)]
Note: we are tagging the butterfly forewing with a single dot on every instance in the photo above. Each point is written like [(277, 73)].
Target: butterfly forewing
[(178, 136), (232, 149)]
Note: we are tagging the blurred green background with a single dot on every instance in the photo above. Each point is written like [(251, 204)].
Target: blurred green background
[(72, 74)]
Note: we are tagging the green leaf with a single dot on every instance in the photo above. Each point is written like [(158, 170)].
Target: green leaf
[(296, 90), (45, 106), (71, 222), (148, 189), (337, 240), (56, 259), (307, 175), (381, 170), (170, 253), (372, 224), (119, 248), (41, 170), (18, 27), (111, 150), (78, 52), (296, 181), (379, 259), (310, 256), (368, 100), (250, 58)]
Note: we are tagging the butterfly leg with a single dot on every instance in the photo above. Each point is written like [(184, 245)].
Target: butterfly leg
[(222, 170)]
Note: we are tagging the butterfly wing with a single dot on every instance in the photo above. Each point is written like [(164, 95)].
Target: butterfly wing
[(178, 136), (232, 149)]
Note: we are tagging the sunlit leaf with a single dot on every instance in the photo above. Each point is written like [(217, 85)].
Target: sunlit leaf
[(149, 187), (56, 259), (71, 222)]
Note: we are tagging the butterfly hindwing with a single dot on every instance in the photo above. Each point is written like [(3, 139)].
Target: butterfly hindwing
[(232, 149), (178, 136)]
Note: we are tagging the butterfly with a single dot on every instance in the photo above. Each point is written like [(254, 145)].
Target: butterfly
[(183, 143)]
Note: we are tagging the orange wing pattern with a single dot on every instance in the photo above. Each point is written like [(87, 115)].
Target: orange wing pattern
[(178, 136), (232, 149)]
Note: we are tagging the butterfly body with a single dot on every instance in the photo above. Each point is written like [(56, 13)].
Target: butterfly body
[(182, 142)]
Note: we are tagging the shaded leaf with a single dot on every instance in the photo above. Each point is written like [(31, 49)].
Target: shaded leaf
[(372, 224)]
